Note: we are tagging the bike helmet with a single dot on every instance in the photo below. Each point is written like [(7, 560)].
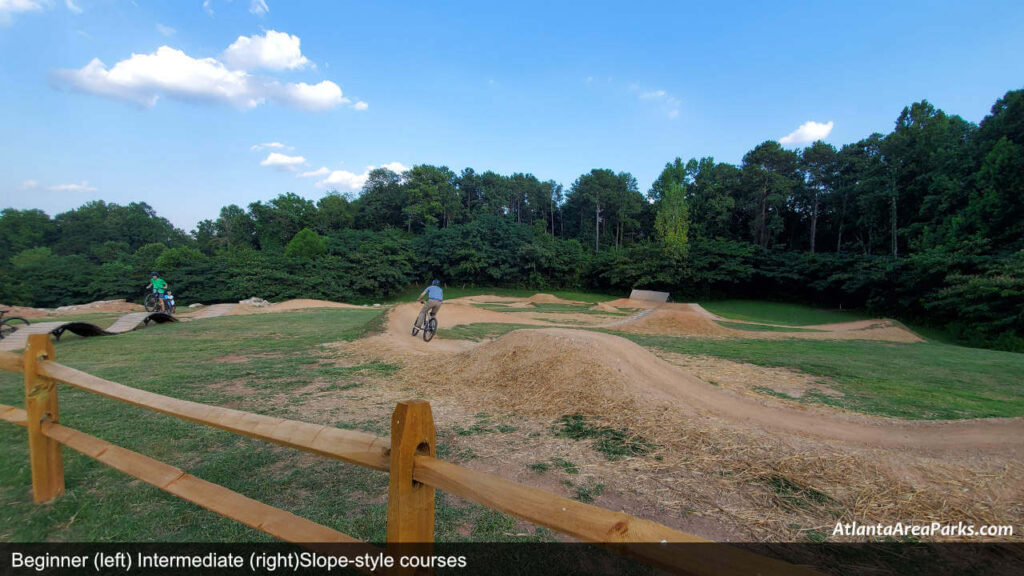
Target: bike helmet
[(435, 283), (154, 273)]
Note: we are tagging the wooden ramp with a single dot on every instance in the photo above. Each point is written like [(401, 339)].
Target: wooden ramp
[(648, 296), (130, 322), (125, 323)]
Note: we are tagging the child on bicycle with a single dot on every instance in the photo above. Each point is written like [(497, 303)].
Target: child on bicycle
[(159, 287), (434, 297)]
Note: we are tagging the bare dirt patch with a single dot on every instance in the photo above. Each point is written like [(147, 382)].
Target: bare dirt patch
[(675, 320), (288, 305)]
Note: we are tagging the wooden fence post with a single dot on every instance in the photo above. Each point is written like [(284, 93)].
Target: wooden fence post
[(41, 405), (410, 503)]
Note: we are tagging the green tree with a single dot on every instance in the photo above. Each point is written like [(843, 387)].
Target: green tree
[(306, 245), (672, 221), (819, 163)]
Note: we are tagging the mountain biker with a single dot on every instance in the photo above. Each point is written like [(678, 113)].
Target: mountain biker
[(159, 286), (434, 297)]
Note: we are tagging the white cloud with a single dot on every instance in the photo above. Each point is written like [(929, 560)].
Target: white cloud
[(166, 30), (143, 78), (72, 6), (669, 103), (311, 97), (259, 7), (321, 171), (83, 187), (272, 51), (360, 105), (34, 184), (11, 7), (345, 181), (283, 162), (276, 145), (207, 8), (807, 132)]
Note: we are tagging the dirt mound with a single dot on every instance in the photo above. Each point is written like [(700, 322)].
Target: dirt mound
[(288, 305), (674, 321), (635, 304), (555, 371), (550, 299), (26, 311), (548, 373), (485, 298), (120, 305)]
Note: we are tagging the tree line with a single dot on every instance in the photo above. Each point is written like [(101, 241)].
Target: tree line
[(925, 223)]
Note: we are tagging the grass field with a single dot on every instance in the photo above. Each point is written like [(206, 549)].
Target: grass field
[(780, 312), (282, 358), (913, 381), (746, 327)]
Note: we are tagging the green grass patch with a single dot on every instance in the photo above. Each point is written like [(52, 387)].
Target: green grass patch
[(588, 492), (781, 312), (924, 380), (795, 495), (480, 330), (539, 467), (272, 354), (763, 327), (611, 442), (567, 466)]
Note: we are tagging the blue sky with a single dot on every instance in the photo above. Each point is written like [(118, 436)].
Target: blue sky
[(550, 88)]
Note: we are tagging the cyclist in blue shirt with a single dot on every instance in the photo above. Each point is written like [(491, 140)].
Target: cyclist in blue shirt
[(434, 297)]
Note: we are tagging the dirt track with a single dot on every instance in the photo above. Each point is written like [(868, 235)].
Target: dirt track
[(648, 378)]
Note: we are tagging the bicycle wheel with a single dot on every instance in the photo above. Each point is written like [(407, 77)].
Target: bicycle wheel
[(431, 328), (11, 324), (150, 302)]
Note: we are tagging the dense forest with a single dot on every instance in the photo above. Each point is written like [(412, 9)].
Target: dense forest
[(925, 223)]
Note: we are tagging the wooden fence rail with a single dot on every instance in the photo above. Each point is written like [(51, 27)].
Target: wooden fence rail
[(408, 456)]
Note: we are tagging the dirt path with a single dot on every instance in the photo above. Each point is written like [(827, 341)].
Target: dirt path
[(873, 329)]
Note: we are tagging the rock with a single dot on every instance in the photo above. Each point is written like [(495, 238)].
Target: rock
[(254, 301), (196, 305), (376, 305)]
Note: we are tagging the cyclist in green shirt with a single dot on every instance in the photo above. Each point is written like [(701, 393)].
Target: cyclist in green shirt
[(159, 287), (158, 284)]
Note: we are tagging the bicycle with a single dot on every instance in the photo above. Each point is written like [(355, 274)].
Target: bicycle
[(429, 328), (10, 324), (159, 303)]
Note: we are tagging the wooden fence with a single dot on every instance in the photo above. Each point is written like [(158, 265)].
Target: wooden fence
[(408, 457)]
